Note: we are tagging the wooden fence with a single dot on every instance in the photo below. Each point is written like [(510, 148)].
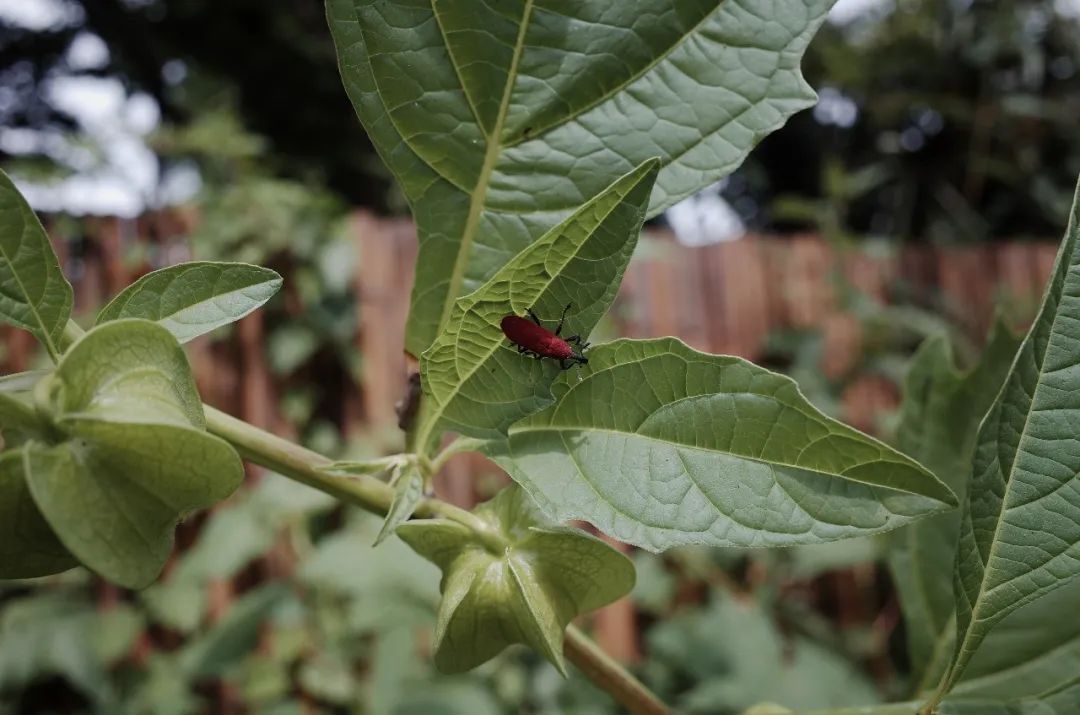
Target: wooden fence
[(726, 298)]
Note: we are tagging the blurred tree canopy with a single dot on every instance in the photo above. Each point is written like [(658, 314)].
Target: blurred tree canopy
[(273, 59), (940, 120)]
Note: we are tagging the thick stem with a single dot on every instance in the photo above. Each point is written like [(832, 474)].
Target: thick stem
[(610, 676)]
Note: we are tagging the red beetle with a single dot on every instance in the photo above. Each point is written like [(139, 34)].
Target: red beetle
[(534, 340)]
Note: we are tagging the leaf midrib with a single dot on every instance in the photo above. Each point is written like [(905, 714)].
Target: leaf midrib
[(619, 87), (491, 157), (1066, 257), (562, 429)]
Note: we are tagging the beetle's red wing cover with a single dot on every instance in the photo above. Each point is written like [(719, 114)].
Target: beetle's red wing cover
[(531, 336)]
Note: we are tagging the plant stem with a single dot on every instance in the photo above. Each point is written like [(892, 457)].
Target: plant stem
[(609, 675)]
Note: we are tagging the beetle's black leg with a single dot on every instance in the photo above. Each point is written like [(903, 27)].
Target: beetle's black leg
[(558, 329), (521, 349), (564, 366), (575, 339), (534, 318)]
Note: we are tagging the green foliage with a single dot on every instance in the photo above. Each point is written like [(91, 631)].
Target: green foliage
[(735, 657), (697, 448), (194, 298), (129, 456), (579, 263), (530, 159), (939, 419), (492, 154), (521, 580), (408, 482), (34, 294), (1024, 472), (28, 546)]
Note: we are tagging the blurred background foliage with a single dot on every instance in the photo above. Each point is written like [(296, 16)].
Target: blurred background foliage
[(940, 121)]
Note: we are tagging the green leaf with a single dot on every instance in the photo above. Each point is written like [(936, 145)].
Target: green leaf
[(133, 458), (521, 582), (729, 674), (52, 634), (660, 445), (28, 546), (191, 299), (408, 490), (475, 381), (1031, 651), (1064, 700), (939, 420), (127, 371), (234, 636), (497, 122), (1020, 530), (34, 295)]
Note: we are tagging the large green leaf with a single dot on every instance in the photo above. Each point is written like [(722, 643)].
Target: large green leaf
[(475, 382), (130, 456), (1020, 531), (660, 445), (498, 121), (939, 419), (519, 580), (34, 295), (194, 298), (28, 546)]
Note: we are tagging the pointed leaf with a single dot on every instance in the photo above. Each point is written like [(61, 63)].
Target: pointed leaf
[(28, 546), (579, 262), (191, 299), (408, 490), (522, 582), (939, 419), (660, 445), (1020, 531), (34, 295), (497, 121)]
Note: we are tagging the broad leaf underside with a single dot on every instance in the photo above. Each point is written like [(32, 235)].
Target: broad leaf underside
[(1020, 530), (698, 448), (498, 120)]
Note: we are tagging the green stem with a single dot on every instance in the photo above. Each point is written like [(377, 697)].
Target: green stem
[(609, 675)]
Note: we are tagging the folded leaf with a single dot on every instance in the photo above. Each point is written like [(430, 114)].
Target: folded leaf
[(34, 295), (194, 298), (939, 420), (129, 456), (475, 382), (1020, 531), (660, 445), (521, 582), (498, 121)]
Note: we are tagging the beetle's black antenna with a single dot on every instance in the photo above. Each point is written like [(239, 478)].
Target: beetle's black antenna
[(534, 318), (558, 329)]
